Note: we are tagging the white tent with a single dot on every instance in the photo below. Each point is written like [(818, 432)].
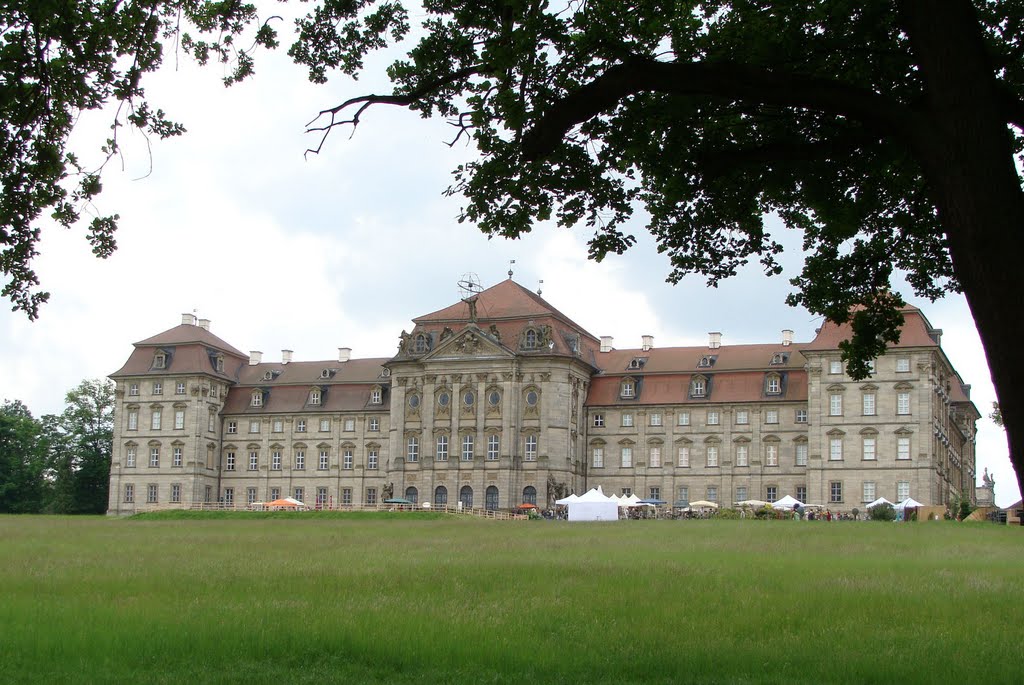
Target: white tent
[(787, 502), (568, 500), (880, 500), (633, 499), (756, 503), (593, 506), (909, 502)]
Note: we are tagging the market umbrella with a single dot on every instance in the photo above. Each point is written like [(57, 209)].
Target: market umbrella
[(397, 500), (283, 503), (756, 503), (704, 503), (526, 505), (655, 501)]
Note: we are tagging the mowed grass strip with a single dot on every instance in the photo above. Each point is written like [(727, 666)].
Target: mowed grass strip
[(416, 598)]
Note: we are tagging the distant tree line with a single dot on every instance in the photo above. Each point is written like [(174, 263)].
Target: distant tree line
[(58, 463)]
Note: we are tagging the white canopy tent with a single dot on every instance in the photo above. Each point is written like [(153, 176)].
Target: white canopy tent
[(880, 500), (910, 503), (568, 500), (593, 506), (788, 502)]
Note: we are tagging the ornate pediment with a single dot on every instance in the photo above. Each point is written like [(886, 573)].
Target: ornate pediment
[(470, 342)]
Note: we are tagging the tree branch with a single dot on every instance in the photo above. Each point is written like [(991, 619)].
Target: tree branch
[(713, 79)]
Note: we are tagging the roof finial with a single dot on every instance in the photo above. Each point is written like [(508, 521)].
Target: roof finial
[(510, 263), (540, 284)]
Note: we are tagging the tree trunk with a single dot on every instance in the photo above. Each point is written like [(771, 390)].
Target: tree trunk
[(965, 148)]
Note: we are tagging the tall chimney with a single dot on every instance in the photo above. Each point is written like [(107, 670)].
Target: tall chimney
[(204, 324), (607, 343), (255, 357), (344, 354), (188, 319), (714, 340), (286, 356), (648, 342), (787, 337)]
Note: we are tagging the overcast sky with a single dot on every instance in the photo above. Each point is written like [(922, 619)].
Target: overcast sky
[(343, 249)]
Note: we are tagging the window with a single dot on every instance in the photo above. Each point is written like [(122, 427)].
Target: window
[(531, 398), (375, 396), (154, 422), (835, 366), (713, 418), (300, 426), (325, 425), (275, 461), (371, 495), (314, 396), (835, 492), (277, 426), (347, 460), (443, 399), (468, 398), (467, 447), (229, 461), (654, 457), (324, 461), (374, 425), (133, 419), (300, 494), (771, 454), (868, 449), (771, 493), (254, 426), (598, 457), (229, 497), (801, 455), (684, 418), (346, 496), (321, 497), (179, 419), (773, 385), (529, 495), (349, 426), (530, 340), (372, 459), (801, 417), (176, 493), (232, 427), (801, 493), (300, 461), (254, 460), (530, 453), (257, 399), (869, 491), (628, 389), (683, 494), (442, 448), (903, 448), (275, 493), (211, 422), (903, 365), (250, 496), (158, 388), (712, 453), (903, 403), (742, 417), (421, 343), (154, 457), (771, 416), (220, 365), (684, 457), (151, 494), (598, 420), (655, 419), (868, 400), (698, 387), (176, 459), (835, 404), (835, 449), (160, 360), (627, 457), (133, 390), (179, 388), (902, 489), (712, 493), (741, 493), (742, 453), (627, 420), (208, 493), (129, 457), (493, 446), (414, 401)]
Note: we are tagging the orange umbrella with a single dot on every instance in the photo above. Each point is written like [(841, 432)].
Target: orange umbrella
[(527, 505), (282, 503)]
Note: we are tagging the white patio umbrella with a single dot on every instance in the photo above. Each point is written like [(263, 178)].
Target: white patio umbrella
[(703, 503)]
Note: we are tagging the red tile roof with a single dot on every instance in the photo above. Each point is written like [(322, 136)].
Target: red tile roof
[(916, 332), (685, 359), (732, 386), (185, 333), (186, 359)]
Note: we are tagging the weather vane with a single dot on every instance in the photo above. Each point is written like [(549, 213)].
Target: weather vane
[(510, 263)]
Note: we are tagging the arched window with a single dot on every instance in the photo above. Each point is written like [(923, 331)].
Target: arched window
[(421, 343), (531, 341), (491, 498), (412, 494), (529, 495), (440, 496), (466, 497)]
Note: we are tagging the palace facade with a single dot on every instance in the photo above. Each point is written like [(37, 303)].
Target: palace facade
[(501, 399)]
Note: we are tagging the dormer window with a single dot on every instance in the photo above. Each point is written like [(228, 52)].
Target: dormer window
[(220, 363), (698, 386), (268, 376), (314, 396), (628, 388), (421, 343), (326, 373), (257, 399), (160, 360), (375, 396), (706, 361), (773, 384), (779, 358), (531, 341), (637, 362)]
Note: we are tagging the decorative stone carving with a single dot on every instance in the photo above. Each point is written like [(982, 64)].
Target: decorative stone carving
[(446, 333)]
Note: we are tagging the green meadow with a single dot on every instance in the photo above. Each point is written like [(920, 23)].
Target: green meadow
[(410, 598)]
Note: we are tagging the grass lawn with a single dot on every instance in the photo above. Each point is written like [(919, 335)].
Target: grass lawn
[(410, 598)]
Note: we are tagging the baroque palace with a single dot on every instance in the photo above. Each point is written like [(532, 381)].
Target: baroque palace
[(501, 399)]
